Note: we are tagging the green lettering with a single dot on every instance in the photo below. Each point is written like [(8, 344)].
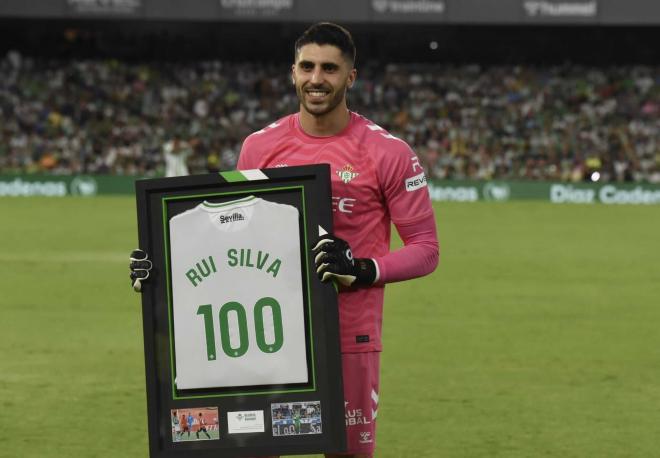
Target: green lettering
[(261, 261), (247, 259), (242, 332), (212, 264), (231, 254), (274, 267), (206, 311), (277, 327), (192, 276), (206, 271)]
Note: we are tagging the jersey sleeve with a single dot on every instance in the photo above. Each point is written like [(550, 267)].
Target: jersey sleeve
[(418, 257), (408, 202), (247, 157), (404, 185)]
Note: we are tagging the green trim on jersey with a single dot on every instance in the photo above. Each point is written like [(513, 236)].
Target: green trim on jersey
[(309, 289), (305, 241), (225, 204)]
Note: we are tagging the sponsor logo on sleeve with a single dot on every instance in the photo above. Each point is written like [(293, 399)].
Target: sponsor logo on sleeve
[(416, 182), (415, 163)]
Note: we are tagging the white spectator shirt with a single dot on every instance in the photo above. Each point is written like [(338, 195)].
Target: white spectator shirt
[(175, 161)]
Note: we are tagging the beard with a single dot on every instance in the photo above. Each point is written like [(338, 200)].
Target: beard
[(330, 102)]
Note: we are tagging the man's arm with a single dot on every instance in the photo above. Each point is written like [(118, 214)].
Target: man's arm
[(409, 205), (418, 257)]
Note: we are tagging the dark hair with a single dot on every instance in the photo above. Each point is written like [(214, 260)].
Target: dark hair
[(328, 33)]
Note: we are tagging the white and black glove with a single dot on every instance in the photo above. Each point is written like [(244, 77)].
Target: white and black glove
[(334, 261), (140, 266)]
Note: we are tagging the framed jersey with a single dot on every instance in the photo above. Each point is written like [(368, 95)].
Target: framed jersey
[(236, 323)]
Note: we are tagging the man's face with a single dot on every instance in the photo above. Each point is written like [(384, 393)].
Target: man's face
[(321, 76)]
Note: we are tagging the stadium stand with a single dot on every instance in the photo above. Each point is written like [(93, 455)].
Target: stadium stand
[(531, 122)]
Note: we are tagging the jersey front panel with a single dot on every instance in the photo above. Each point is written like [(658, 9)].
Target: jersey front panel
[(369, 169), (237, 295)]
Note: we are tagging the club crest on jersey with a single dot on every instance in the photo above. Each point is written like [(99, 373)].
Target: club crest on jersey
[(347, 174)]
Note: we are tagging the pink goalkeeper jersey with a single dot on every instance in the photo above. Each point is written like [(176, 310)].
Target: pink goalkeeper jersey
[(376, 179)]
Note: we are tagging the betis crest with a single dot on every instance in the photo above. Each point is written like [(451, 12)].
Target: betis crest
[(347, 174)]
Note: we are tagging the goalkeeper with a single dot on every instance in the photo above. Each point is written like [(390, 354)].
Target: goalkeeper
[(376, 180)]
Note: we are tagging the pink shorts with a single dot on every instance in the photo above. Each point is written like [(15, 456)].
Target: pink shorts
[(361, 381)]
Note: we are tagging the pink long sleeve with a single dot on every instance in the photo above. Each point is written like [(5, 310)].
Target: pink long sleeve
[(418, 257)]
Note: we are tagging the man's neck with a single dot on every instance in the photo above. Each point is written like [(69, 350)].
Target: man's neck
[(327, 125)]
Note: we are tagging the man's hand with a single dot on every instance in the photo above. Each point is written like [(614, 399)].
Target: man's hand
[(334, 261), (140, 268)]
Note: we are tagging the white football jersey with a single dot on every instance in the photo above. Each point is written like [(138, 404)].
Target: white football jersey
[(237, 295)]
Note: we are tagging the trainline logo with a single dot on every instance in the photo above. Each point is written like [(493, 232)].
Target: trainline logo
[(409, 6)]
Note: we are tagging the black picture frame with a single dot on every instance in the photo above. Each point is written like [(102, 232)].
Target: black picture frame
[(319, 400)]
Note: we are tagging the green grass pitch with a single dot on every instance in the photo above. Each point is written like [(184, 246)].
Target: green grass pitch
[(537, 336)]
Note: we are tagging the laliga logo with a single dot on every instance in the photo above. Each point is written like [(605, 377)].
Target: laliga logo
[(498, 192), (83, 186)]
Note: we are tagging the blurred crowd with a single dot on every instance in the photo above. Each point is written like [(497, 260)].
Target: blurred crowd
[(568, 123)]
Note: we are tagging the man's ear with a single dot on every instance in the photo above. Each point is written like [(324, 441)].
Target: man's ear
[(352, 75)]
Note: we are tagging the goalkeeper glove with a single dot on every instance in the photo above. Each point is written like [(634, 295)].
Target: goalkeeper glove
[(334, 261), (140, 266)]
